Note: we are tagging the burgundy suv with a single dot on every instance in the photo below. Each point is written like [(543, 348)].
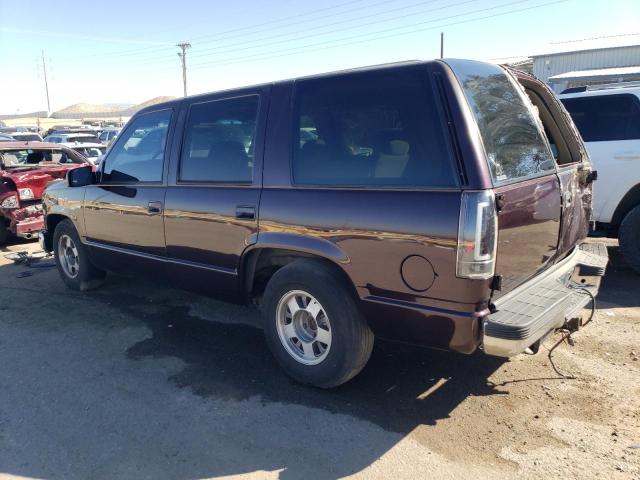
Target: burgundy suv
[(440, 203)]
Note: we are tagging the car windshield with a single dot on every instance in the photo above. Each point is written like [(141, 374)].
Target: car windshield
[(29, 157), (90, 151), (27, 137), (81, 139)]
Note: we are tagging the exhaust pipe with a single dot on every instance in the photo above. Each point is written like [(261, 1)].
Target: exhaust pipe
[(28, 236)]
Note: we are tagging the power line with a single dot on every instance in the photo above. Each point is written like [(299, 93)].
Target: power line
[(324, 44), (217, 36), (372, 15), (596, 38), (223, 50)]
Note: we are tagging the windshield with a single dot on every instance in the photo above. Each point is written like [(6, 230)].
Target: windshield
[(27, 137), (33, 158), (90, 151), (81, 139)]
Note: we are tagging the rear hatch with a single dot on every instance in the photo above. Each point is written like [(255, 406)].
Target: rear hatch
[(543, 207)]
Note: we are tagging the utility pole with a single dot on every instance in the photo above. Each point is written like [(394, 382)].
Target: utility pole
[(46, 85), (183, 57), (441, 44)]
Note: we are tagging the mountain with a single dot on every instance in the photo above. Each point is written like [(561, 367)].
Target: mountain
[(78, 110), (148, 103), (87, 108)]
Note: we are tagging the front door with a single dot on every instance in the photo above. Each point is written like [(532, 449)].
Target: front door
[(123, 211), (212, 197)]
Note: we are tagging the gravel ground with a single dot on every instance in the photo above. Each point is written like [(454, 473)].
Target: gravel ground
[(136, 381)]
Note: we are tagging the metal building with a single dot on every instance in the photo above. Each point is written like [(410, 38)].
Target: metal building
[(588, 62)]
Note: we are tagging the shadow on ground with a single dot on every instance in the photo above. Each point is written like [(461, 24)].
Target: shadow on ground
[(334, 433), (621, 284)]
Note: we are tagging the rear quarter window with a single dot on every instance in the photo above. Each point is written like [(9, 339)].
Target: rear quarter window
[(602, 118), (373, 129), (511, 132)]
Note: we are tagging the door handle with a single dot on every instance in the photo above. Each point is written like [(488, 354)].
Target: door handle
[(154, 208), (245, 212)]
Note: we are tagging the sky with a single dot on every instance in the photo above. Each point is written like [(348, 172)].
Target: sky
[(125, 51)]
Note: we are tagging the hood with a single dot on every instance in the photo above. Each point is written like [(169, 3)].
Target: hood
[(36, 179)]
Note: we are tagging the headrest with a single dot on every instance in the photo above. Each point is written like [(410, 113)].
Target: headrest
[(399, 147)]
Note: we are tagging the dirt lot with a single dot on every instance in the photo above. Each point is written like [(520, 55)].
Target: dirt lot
[(138, 381)]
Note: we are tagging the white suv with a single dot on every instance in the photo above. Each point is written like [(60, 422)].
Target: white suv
[(608, 117)]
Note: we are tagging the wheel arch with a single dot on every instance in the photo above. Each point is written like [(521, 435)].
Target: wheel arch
[(263, 259), (52, 221), (628, 202)]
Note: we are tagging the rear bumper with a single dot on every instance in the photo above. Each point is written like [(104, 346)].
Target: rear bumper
[(29, 227), (533, 310)]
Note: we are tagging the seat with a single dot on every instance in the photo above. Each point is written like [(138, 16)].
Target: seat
[(392, 161), (10, 160), (34, 158), (227, 162)]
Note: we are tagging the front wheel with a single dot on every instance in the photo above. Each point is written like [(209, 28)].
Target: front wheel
[(629, 236), (72, 259), (4, 232), (313, 325)]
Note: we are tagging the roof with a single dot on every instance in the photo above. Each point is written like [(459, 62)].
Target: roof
[(597, 74), (31, 145), (83, 145), (595, 43), (382, 66)]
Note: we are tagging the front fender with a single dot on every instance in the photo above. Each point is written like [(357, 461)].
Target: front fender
[(60, 202)]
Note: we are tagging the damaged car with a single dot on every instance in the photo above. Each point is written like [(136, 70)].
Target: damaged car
[(26, 168)]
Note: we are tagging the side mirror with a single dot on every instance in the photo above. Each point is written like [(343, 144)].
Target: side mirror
[(80, 177)]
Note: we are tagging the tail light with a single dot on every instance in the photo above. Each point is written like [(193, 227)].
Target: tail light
[(477, 235)]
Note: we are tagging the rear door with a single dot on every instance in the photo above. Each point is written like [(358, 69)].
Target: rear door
[(522, 169), (214, 189), (610, 125)]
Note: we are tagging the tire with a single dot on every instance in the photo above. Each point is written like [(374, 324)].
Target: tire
[(4, 233), (629, 236), (324, 301), (72, 259)]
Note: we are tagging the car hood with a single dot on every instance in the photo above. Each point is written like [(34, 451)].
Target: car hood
[(36, 179)]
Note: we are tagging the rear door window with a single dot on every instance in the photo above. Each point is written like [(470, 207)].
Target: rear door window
[(219, 141), (511, 132), (371, 129), (606, 117)]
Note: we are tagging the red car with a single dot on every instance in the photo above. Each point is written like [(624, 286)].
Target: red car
[(26, 168)]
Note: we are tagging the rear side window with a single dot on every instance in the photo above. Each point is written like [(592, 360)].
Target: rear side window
[(372, 129), (511, 132), (219, 141), (606, 117)]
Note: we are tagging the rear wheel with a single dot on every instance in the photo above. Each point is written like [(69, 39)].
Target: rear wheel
[(72, 259), (629, 236), (313, 325)]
